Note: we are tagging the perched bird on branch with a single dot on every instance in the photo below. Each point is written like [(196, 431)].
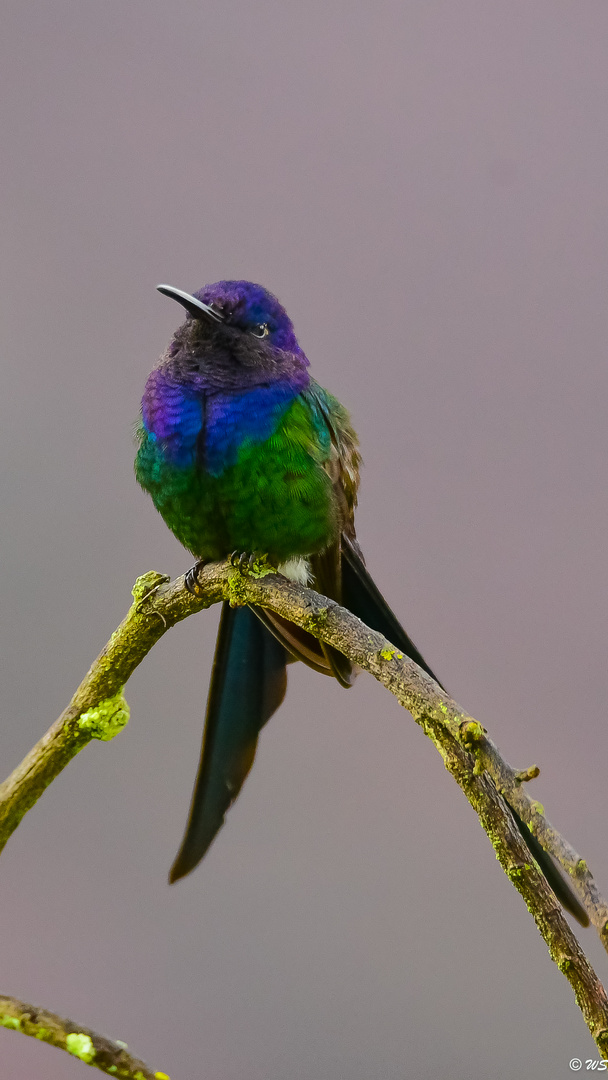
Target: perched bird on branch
[(244, 454)]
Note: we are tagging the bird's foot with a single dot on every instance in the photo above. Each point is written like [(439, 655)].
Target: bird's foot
[(249, 562), (191, 581)]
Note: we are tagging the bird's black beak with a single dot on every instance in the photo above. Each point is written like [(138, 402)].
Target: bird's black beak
[(196, 308)]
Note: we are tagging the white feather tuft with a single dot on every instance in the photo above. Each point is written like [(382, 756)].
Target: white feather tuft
[(296, 569)]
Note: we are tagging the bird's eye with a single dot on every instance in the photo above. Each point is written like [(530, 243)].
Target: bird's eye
[(261, 330)]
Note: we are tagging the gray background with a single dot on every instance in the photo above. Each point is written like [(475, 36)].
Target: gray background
[(424, 186)]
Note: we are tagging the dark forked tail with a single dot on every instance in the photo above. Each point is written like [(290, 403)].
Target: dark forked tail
[(248, 684)]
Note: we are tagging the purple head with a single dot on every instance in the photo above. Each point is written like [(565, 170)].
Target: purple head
[(237, 334), (252, 309), (242, 306)]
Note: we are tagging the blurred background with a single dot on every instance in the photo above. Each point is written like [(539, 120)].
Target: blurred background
[(423, 184)]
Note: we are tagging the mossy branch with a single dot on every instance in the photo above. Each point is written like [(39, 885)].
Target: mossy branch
[(98, 710), (107, 1055)]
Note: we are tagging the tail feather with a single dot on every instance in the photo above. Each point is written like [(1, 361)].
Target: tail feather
[(248, 683), (327, 576), (300, 644), (361, 595), (552, 875)]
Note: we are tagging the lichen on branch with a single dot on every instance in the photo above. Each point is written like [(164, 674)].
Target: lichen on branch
[(110, 1056), (98, 710)]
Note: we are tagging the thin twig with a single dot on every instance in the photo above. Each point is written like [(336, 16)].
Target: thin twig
[(111, 1057), (98, 710)]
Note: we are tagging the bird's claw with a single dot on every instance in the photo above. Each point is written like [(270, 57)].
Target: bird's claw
[(191, 581), (245, 561)]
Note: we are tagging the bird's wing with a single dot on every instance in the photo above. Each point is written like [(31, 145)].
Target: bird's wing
[(341, 463), (341, 458), (333, 446), (358, 592)]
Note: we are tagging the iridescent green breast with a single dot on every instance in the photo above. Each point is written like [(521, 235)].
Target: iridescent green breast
[(274, 495)]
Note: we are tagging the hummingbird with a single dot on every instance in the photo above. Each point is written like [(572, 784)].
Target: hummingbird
[(246, 456)]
